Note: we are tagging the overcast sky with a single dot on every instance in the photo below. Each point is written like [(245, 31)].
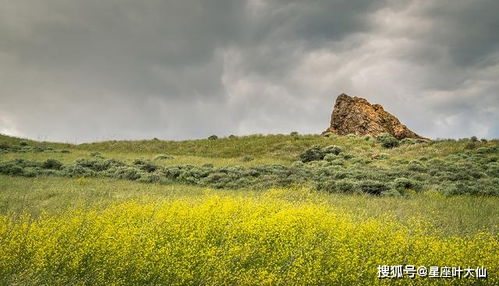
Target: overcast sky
[(88, 70)]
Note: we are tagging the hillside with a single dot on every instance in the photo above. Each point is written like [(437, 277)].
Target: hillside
[(278, 208), (333, 163)]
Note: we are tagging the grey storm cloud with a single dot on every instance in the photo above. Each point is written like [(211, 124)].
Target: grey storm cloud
[(93, 70)]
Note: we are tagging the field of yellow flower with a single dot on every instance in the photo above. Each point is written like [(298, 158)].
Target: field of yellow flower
[(226, 240)]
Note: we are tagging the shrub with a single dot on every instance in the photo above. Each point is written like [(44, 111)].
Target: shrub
[(23, 143), (332, 149), (403, 184), (11, 168), (213, 137), (346, 156), (76, 171), (346, 186), (294, 133), (128, 173), (52, 164), (99, 165), (487, 150), (145, 165), (312, 154), (470, 145), (317, 153), (4, 146), (30, 172), (150, 178), (387, 140), (373, 187)]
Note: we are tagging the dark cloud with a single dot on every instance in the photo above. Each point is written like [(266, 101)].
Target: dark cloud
[(94, 70)]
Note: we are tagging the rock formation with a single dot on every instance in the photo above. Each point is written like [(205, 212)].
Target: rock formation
[(355, 115)]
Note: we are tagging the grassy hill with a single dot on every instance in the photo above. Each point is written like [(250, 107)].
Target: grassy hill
[(251, 210)]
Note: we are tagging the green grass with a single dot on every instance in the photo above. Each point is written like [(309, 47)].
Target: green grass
[(456, 215), (264, 149), (129, 157), (101, 231)]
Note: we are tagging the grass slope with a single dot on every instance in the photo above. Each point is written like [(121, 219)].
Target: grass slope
[(58, 230)]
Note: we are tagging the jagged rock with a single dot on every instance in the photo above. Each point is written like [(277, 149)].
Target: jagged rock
[(355, 115)]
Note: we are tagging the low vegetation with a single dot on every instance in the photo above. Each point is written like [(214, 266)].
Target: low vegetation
[(277, 210), (328, 168)]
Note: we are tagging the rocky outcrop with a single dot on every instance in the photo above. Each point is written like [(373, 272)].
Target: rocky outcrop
[(355, 115)]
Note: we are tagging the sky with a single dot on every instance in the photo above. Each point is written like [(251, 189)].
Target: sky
[(92, 70)]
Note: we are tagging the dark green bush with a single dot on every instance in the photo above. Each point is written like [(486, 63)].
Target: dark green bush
[(10, 168), (317, 153), (98, 165), (373, 187), (124, 172), (151, 178), (52, 164), (332, 149), (145, 165), (213, 137), (403, 184), (487, 150), (346, 156), (76, 170), (346, 186), (312, 154), (387, 140)]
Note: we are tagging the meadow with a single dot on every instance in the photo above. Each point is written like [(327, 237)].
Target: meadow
[(253, 210)]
